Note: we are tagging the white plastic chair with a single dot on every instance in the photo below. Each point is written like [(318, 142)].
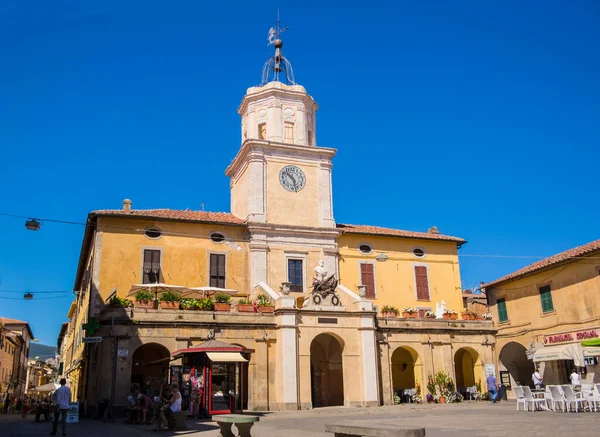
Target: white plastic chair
[(520, 397), (557, 398), (536, 403), (571, 398), (594, 399)]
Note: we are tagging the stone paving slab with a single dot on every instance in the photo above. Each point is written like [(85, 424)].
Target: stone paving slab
[(477, 419)]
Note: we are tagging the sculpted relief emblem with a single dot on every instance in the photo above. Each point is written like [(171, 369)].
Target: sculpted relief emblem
[(324, 286)]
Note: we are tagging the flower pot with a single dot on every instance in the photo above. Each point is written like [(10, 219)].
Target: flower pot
[(222, 306), (467, 316), (408, 315), (266, 309), (443, 398), (245, 308), (387, 315), (148, 304), (453, 316), (169, 305)]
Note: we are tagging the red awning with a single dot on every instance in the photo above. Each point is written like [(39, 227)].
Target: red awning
[(211, 346)]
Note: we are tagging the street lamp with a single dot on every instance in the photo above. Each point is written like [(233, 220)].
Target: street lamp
[(33, 225)]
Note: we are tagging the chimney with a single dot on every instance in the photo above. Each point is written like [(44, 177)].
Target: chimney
[(433, 230), (127, 205)]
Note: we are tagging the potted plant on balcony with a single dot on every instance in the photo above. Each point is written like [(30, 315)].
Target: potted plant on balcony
[(169, 300), (389, 311), (410, 313), (264, 304), (468, 315), (222, 302), (119, 302), (206, 304), (450, 315), (144, 299), (188, 304), (429, 314), (245, 306), (487, 316)]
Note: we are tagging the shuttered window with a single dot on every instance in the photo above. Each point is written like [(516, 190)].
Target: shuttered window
[(422, 283), (217, 270), (295, 275), (151, 266), (502, 313), (546, 297), (367, 277)]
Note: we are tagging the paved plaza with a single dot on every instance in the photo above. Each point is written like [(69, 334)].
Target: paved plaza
[(469, 420)]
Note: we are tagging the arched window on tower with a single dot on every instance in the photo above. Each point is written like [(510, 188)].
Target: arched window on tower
[(289, 132)]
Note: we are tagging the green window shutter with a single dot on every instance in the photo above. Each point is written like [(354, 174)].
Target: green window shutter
[(502, 313), (546, 298)]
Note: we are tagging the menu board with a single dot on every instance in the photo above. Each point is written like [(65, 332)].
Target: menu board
[(505, 379)]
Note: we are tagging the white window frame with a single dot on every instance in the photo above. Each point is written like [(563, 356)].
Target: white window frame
[(142, 249), (152, 228), (415, 280), (374, 264), (215, 252), (298, 256), (418, 257), (365, 244), (225, 238)]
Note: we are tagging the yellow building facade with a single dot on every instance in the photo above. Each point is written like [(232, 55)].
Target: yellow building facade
[(543, 312), (279, 241)]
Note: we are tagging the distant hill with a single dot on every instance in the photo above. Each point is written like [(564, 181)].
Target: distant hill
[(41, 351)]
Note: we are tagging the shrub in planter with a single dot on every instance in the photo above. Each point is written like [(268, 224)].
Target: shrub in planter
[(206, 304), (450, 314), (120, 302), (144, 299), (222, 302), (264, 304), (245, 306), (389, 311), (188, 304), (430, 314), (410, 313), (169, 299)]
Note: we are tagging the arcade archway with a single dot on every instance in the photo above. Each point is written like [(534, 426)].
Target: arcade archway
[(513, 358), (150, 366), (406, 371), (326, 371), (467, 367)]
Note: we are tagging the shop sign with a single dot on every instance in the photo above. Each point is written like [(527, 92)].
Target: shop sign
[(570, 336), (92, 339)]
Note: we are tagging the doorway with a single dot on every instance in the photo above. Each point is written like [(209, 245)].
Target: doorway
[(150, 366), (326, 371)]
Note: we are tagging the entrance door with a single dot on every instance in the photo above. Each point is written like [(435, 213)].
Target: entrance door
[(327, 383)]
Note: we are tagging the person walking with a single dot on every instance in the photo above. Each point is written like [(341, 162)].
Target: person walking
[(492, 387), (537, 379), (61, 399)]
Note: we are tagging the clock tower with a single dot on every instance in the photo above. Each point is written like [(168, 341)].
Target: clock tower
[(280, 178)]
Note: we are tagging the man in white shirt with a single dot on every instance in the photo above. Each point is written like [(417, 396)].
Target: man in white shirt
[(61, 399), (537, 379), (575, 380)]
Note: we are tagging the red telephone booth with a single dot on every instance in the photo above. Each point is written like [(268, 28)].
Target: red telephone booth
[(217, 373)]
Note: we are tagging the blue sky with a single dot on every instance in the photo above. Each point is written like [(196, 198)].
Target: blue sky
[(481, 118)]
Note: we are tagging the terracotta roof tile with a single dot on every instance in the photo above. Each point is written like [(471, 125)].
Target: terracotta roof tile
[(376, 230), (567, 255), (8, 321), (174, 214)]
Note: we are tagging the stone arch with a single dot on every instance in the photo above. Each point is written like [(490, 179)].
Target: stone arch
[(150, 366), (406, 368), (326, 370), (468, 367), (513, 358)]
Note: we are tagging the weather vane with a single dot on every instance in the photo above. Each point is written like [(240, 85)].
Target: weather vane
[(275, 32)]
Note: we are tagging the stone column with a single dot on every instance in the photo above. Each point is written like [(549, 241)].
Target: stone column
[(258, 265), (256, 189), (258, 399), (369, 361), (287, 354), (385, 374), (325, 195)]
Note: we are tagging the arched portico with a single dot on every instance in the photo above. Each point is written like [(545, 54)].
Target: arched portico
[(150, 366), (468, 367), (513, 358), (406, 368), (326, 371)]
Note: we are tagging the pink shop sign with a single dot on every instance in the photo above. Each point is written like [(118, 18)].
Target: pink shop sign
[(570, 336)]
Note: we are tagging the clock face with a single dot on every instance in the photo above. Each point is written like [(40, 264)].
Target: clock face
[(292, 178)]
